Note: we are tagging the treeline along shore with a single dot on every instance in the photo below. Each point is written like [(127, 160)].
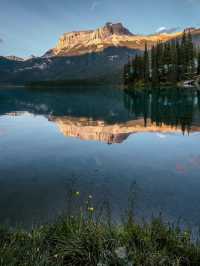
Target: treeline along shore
[(173, 62)]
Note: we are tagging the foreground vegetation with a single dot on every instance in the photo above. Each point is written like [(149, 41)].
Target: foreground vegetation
[(89, 238)]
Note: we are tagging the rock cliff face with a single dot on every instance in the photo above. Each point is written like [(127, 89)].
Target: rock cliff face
[(69, 40), (110, 35), (86, 129)]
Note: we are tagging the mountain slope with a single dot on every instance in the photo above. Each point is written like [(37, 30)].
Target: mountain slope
[(97, 55), (104, 66), (111, 35)]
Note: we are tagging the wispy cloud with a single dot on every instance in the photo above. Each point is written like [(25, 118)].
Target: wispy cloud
[(161, 136), (94, 5), (166, 30), (1, 40)]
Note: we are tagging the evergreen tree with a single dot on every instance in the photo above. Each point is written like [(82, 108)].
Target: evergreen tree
[(154, 65), (146, 64), (171, 61), (190, 53), (183, 55), (198, 64), (125, 74), (178, 62), (173, 73)]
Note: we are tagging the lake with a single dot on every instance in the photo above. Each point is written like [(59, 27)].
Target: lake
[(104, 141)]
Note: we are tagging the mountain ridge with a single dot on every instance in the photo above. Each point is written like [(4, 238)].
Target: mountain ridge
[(110, 35), (106, 66), (97, 55)]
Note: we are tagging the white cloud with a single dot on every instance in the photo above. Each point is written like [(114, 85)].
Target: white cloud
[(166, 30), (94, 5), (161, 29), (161, 136)]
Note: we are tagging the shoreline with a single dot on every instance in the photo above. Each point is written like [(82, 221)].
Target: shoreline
[(86, 239)]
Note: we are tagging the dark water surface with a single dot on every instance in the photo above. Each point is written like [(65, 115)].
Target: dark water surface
[(105, 140)]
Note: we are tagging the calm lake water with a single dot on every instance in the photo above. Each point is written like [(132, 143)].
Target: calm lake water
[(103, 140)]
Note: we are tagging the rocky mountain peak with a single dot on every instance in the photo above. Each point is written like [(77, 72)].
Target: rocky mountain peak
[(81, 42), (14, 58), (189, 29), (110, 35), (117, 28)]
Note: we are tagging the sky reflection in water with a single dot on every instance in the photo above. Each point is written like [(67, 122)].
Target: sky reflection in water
[(50, 137)]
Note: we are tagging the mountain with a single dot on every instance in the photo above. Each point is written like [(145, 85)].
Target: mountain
[(196, 36), (14, 58), (87, 129), (105, 66), (110, 35), (92, 56), (78, 111)]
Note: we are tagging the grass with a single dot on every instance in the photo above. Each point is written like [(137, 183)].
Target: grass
[(88, 238)]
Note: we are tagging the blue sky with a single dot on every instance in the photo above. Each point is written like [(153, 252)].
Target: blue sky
[(32, 27)]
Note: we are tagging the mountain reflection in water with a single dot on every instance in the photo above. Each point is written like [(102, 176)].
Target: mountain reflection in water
[(41, 151), (100, 131), (109, 115)]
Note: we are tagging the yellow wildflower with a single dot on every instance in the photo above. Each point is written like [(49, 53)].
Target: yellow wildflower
[(91, 209)]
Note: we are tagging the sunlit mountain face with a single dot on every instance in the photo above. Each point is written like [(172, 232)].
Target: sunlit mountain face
[(110, 35), (113, 134), (87, 129)]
